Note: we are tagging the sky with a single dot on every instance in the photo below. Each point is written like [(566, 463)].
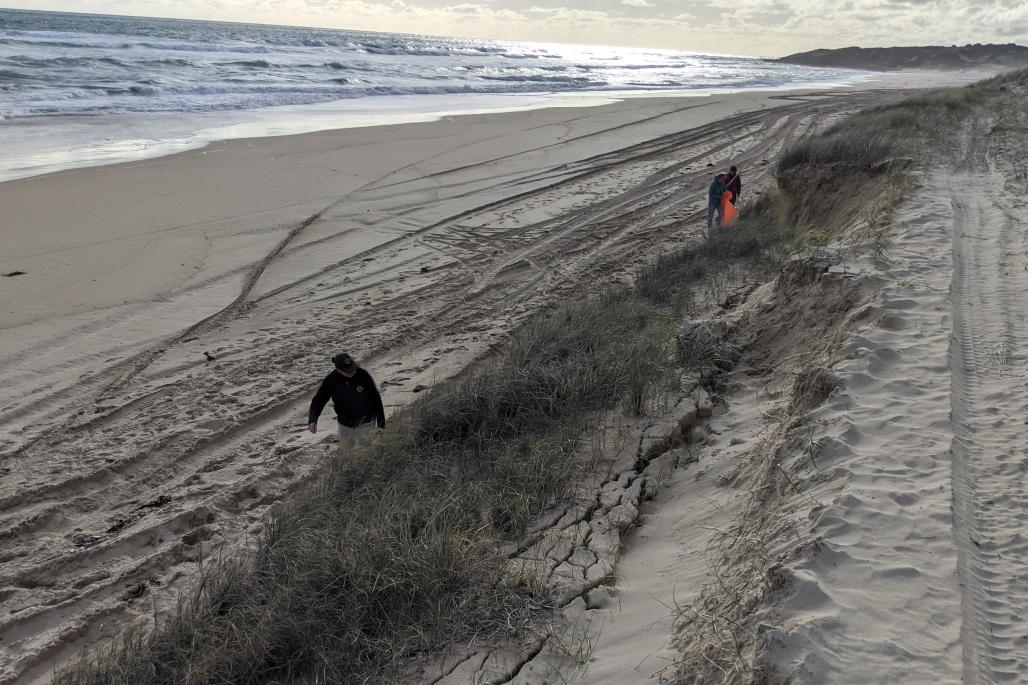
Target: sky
[(767, 28)]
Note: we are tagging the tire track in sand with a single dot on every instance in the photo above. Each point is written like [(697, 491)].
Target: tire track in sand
[(989, 409)]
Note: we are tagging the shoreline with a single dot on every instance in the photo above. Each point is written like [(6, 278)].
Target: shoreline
[(193, 131)]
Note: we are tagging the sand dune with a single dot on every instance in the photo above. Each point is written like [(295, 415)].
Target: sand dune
[(939, 57), (989, 399), (880, 600)]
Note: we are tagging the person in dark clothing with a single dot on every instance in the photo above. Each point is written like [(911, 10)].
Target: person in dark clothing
[(355, 398), (733, 182), (714, 193)]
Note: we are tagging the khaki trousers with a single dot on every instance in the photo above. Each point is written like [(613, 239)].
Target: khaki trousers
[(351, 437)]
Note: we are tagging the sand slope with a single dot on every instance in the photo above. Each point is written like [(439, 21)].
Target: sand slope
[(915, 570), (878, 600)]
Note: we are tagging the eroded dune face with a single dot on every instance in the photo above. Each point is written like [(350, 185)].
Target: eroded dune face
[(129, 456)]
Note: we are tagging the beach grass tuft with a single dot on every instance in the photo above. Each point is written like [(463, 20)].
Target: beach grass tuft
[(914, 127), (749, 250)]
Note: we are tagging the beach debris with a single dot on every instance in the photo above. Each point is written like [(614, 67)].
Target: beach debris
[(210, 357), (12, 274), (84, 541), (699, 345), (137, 514), (134, 592), (419, 388), (425, 269), (704, 405), (159, 502)]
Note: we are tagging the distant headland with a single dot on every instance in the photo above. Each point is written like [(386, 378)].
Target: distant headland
[(921, 57)]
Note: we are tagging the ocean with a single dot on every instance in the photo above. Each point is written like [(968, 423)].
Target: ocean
[(81, 89)]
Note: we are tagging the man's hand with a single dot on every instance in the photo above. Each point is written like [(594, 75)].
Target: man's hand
[(312, 427)]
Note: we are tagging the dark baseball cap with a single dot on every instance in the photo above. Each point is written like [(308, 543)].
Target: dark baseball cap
[(345, 362)]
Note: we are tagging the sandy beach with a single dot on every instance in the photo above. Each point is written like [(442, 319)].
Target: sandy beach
[(126, 455), (133, 256)]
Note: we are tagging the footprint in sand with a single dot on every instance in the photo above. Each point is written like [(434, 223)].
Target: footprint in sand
[(288, 448)]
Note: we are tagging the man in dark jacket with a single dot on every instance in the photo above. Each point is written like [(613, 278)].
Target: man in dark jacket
[(355, 398), (734, 184)]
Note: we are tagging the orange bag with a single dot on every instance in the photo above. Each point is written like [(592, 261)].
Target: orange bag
[(728, 210)]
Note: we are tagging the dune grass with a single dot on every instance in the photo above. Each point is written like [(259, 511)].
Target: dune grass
[(392, 551), (912, 127), (863, 162), (749, 250)]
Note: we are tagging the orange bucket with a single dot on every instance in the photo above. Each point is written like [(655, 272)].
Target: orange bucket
[(728, 211)]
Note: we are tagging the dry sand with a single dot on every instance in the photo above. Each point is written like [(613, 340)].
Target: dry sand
[(878, 599), (920, 574), (125, 456)]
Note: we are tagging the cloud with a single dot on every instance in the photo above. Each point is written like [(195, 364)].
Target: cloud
[(637, 3)]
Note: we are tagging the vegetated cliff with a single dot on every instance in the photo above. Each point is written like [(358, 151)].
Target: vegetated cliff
[(921, 57)]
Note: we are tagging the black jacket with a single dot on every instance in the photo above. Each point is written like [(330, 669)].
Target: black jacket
[(735, 185), (356, 400)]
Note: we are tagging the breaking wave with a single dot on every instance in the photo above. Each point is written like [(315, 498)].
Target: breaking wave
[(52, 63)]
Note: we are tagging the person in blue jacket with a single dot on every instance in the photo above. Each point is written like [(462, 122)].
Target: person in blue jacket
[(717, 189), (355, 398)]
